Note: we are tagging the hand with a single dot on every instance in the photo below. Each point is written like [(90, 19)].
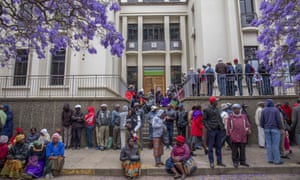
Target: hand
[(9, 157)]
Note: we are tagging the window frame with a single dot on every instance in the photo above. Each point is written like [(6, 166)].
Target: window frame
[(21, 68), (57, 75)]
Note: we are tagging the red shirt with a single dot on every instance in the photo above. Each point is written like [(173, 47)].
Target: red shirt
[(288, 111), (3, 151)]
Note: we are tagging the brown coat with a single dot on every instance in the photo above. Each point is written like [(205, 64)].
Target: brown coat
[(221, 68)]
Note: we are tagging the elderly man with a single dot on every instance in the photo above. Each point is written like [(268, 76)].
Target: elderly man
[(103, 121), (221, 70), (77, 126)]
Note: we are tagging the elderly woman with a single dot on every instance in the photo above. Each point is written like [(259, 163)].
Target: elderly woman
[(130, 158), (12, 140), (54, 157), (36, 161), (44, 137), (32, 136), (179, 154), (16, 158), (3, 150), (238, 128), (158, 130)]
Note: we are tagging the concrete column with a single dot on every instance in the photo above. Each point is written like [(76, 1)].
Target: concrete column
[(167, 56), (183, 44), (124, 57), (140, 50)]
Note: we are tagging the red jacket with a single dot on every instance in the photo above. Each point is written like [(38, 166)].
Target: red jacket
[(3, 151), (197, 125), (238, 127), (129, 95), (288, 111), (90, 117)]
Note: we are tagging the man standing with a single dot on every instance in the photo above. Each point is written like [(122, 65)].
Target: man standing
[(239, 75), (249, 72), (103, 121), (221, 70), (215, 131), (271, 122), (210, 78), (170, 118), (151, 115), (182, 120), (67, 125), (77, 126), (116, 119), (296, 123), (261, 133)]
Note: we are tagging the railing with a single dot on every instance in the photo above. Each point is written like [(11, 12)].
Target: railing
[(62, 86), (241, 85), (132, 46), (154, 45), (175, 45), (247, 18)]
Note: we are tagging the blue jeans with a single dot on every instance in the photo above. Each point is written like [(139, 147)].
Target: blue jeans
[(249, 81), (89, 137), (273, 140), (222, 84), (266, 85), (170, 128), (210, 86), (240, 85), (215, 140), (150, 132)]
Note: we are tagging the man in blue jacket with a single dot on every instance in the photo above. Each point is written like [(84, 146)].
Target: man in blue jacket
[(270, 121)]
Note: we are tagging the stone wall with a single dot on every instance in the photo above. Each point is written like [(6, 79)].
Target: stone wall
[(250, 101)]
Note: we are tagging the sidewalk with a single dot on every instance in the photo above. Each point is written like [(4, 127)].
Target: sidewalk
[(106, 163)]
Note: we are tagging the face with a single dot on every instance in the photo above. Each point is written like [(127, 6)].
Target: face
[(33, 131), (131, 143), (103, 108), (129, 112), (179, 143), (77, 109), (236, 110), (21, 141), (55, 140)]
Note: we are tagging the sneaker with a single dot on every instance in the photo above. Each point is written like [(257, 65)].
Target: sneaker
[(221, 164), (245, 164), (212, 165), (235, 165), (51, 176), (280, 163), (47, 176), (87, 148)]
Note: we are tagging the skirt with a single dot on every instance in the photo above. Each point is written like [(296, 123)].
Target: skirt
[(12, 169), (37, 170), (54, 166), (158, 147), (131, 168)]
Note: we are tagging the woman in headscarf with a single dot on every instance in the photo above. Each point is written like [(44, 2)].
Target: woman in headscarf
[(55, 159), (130, 158), (3, 150), (44, 137), (16, 158), (158, 130), (12, 140), (36, 160)]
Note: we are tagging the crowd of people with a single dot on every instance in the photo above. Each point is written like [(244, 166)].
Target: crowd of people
[(36, 154)]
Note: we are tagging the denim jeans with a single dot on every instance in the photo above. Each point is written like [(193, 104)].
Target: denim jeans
[(89, 136), (215, 140), (76, 135), (150, 132), (272, 141), (240, 86), (249, 81), (170, 128), (222, 84), (210, 86)]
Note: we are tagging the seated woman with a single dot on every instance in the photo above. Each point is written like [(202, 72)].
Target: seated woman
[(16, 158), (179, 154), (130, 158), (12, 140), (36, 161), (32, 136), (44, 137), (3, 150), (54, 157)]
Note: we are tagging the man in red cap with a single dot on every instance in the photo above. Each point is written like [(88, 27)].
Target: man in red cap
[(215, 131)]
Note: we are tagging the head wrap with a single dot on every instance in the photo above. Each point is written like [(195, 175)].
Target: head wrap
[(37, 143), (55, 135), (19, 130), (180, 139), (44, 131), (3, 139), (20, 137)]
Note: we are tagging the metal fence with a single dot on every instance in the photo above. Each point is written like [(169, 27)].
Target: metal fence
[(62, 86), (241, 85)]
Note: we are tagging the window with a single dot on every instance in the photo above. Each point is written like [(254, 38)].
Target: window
[(250, 55), (58, 68), (247, 12), (176, 75), (174, 32), (132, 77), (20, 73), (153, 32), (132, 33)]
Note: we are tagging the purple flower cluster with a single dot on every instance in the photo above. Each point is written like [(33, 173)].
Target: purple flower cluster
[(57, 24), (279, 36)]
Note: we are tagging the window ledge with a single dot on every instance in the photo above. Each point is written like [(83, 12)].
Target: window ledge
[(250, 29), (55, 87), (17, 87)]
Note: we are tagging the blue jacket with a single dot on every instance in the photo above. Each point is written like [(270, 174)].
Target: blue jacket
[(270, 116), (7, 129), (59, 150)]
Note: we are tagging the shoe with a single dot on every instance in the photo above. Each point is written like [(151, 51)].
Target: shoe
[(183, 177), (205, 151), (270, 162), (298, 163), (280, 163), (87, 148), (47, 176), (221, 164), (245, 164), (51, 176), (97, 148), (101, 148), (285, 157), (212, 165), (236, 165)]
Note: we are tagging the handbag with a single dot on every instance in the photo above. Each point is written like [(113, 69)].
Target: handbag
[(190, 166)]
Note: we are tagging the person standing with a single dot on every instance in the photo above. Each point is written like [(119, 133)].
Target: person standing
[(239, 75), (77, 126), (271, 123), (103, 121), (266, 79), (296, 123), (170, 118), (89, 125), (140, 113), (158, 130), (221, 70), (210, 79), (115, 121), (230, 78), (123, 116), (67, 125), (215, 131), (288, 111), (7, 129), (182, 120), (224, 115), (249, 72), (203, 90), (238, 127), (261, 133), (151, 115)]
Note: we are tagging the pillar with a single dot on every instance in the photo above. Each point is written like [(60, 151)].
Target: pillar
[(167, 55)]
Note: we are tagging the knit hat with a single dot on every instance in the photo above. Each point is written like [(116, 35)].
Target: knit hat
[(37, 143), (3, 139), (103, 105), (224, 106), (19, 130), (180, 139), (77, 106), (20, 137)]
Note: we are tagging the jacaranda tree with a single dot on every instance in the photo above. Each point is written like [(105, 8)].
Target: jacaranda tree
[(52, 25), (279, 36)]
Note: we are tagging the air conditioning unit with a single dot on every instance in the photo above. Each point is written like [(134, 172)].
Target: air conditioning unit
[(175, 44), (193, 33), (153, 45), (131, 45)]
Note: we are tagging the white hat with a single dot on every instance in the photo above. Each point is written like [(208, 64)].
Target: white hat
[(77, 106), (44, 131), (103, 105)]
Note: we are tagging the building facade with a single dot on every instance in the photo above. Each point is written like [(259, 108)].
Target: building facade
[(164, 39)]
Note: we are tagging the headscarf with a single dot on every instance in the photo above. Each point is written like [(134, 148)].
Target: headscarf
[(20, 137), (44, 132), (3, 139), (19, 130), (55, 135), (37, 144)]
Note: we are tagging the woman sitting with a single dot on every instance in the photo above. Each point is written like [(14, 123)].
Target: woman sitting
[(12, 140), (36, 161), (16, 158), (179, 154), (3, 150), (54, 157), (44, 137), (130, 158)]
